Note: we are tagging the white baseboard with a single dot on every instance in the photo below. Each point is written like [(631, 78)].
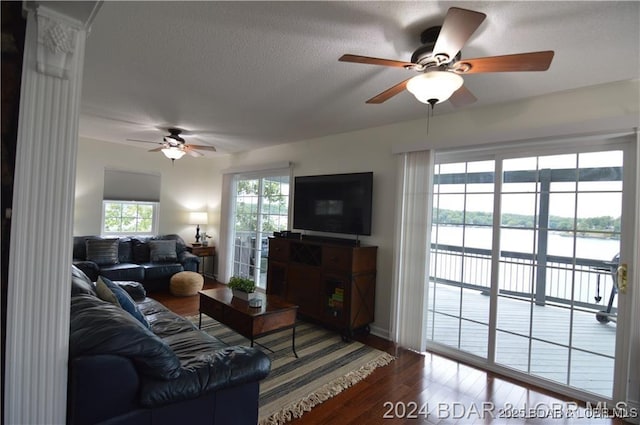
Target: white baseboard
[(380, 332)]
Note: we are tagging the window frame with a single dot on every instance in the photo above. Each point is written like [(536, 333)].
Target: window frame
[(154, 218)]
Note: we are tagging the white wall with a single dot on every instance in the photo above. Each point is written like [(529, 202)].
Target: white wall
[(601, 108), (186, 185)]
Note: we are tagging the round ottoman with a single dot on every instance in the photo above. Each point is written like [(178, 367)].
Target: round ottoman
[(184, 284)]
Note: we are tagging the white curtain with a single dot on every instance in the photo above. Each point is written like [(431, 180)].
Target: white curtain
[(411, 259), (225, 242)]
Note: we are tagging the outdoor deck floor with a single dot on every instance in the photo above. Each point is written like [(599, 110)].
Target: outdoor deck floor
[(587, 365)]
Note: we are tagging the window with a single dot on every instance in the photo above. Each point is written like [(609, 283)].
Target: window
[(131, 202), (129, 218)]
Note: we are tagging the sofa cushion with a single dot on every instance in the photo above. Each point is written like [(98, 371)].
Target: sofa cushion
[(163, 251), (207, 364), (102, 251), (205, 368), (125, 301), (98, 328), (105, 293), (123, 271), (158, 271)]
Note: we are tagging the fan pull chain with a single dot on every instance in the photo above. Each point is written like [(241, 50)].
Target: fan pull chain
[(427, 120), (432, 102)]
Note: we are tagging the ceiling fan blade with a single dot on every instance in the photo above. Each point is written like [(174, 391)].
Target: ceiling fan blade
[(462, 97), (201, 147), (389, 93), (534, 61), (375, 61), (458, 26), (156, 149), (193, 152)]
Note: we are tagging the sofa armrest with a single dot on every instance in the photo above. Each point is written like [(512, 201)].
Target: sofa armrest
[(189, 261), (89, 268), (203, 374), (101, 387)]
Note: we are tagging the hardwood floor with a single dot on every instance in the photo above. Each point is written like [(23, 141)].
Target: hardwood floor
[(428, 389)]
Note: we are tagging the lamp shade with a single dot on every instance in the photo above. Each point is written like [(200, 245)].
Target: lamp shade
[(173, 152), (198, 218), (438, 85)]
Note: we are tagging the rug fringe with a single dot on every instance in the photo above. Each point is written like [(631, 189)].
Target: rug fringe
[(326, 392)]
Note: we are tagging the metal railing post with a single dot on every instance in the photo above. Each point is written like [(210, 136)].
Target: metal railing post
[(543, 236)]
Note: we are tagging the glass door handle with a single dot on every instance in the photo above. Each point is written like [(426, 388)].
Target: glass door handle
[(622, 278)]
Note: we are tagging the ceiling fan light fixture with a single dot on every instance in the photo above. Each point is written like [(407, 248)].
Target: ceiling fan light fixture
[(438, 85), (173, 152)]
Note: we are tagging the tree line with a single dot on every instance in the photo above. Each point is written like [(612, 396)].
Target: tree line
[(481, 218)]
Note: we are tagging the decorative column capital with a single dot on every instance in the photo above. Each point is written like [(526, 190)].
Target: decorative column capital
[(56, 46)]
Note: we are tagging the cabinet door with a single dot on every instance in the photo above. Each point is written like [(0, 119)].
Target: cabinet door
[(303, 286), (278, 249), (362, 300), (277, 278)]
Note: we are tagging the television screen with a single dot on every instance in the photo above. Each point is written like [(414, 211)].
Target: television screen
[(336, 203)]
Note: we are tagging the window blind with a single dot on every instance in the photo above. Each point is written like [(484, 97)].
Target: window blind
[(121, 185)]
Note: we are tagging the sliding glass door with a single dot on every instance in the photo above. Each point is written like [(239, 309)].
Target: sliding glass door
[(261, 206), (461, 241), (559, 244), (524, 257)]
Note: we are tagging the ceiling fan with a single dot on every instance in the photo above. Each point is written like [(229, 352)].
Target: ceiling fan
[(174, 146), (439, 62)]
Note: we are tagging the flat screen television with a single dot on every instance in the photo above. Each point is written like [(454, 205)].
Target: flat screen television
[(335, 203)]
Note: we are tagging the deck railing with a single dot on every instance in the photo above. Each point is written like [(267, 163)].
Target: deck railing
[(586, 283)]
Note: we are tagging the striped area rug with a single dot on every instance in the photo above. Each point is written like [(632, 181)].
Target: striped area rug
[(326, 366)]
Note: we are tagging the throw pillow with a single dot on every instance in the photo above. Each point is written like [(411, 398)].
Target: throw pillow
[(104, 293), (125, 301), (163, 251), (103, 252), (140, 250), (135, 289)]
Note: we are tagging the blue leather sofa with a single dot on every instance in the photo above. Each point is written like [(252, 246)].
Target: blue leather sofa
[(131, 259), (123, 372)]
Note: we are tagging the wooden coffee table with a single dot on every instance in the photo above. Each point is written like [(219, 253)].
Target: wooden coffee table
[(274, 315)]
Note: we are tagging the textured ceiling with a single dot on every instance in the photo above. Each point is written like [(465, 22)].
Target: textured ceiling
[(241, 75)]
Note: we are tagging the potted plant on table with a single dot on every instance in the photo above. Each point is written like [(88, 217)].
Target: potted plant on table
[(243, 287)]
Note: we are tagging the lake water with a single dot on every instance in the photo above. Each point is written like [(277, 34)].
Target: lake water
[(522, 240), (519, 277)]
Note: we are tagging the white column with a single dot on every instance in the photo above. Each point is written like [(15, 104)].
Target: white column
[(42, 220)]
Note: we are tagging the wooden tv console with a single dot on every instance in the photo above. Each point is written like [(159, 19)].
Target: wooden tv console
[(332, 283)]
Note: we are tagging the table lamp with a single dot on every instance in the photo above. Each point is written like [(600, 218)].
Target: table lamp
[(198, 218)]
